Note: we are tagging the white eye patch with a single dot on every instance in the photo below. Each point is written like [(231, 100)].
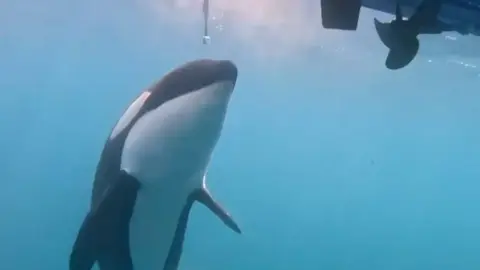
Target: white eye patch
[(129, 114)]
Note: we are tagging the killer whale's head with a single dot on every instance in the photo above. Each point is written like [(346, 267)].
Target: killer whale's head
[(179, 120)]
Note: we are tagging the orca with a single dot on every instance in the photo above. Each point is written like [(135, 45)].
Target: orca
[(153, 168), (401, 36)]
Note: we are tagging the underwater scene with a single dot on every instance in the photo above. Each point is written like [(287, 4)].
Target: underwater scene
[(240, 135)]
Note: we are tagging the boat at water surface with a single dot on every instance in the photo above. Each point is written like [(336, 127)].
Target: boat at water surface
[(462, 16)]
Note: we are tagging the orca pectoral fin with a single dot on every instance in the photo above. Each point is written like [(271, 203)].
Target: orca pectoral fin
[(204, 197), (104, 234)]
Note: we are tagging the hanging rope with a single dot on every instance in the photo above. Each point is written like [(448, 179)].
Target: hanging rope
[(206, 37)]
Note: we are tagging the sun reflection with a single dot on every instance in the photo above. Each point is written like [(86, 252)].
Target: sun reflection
[(276, 27)]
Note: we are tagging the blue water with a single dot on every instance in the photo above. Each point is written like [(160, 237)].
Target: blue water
[(327, 160)]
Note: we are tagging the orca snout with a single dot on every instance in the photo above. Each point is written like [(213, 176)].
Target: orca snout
[(227, 70)]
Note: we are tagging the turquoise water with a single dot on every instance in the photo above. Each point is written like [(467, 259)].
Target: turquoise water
[(327, 160)]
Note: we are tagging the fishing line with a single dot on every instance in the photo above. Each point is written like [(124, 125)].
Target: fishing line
[(206, 7)]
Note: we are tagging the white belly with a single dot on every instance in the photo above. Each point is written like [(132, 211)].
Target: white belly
[(167, 151), (176, 138), (153, 225)]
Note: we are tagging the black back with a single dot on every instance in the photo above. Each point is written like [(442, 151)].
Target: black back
[(187, 78)]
